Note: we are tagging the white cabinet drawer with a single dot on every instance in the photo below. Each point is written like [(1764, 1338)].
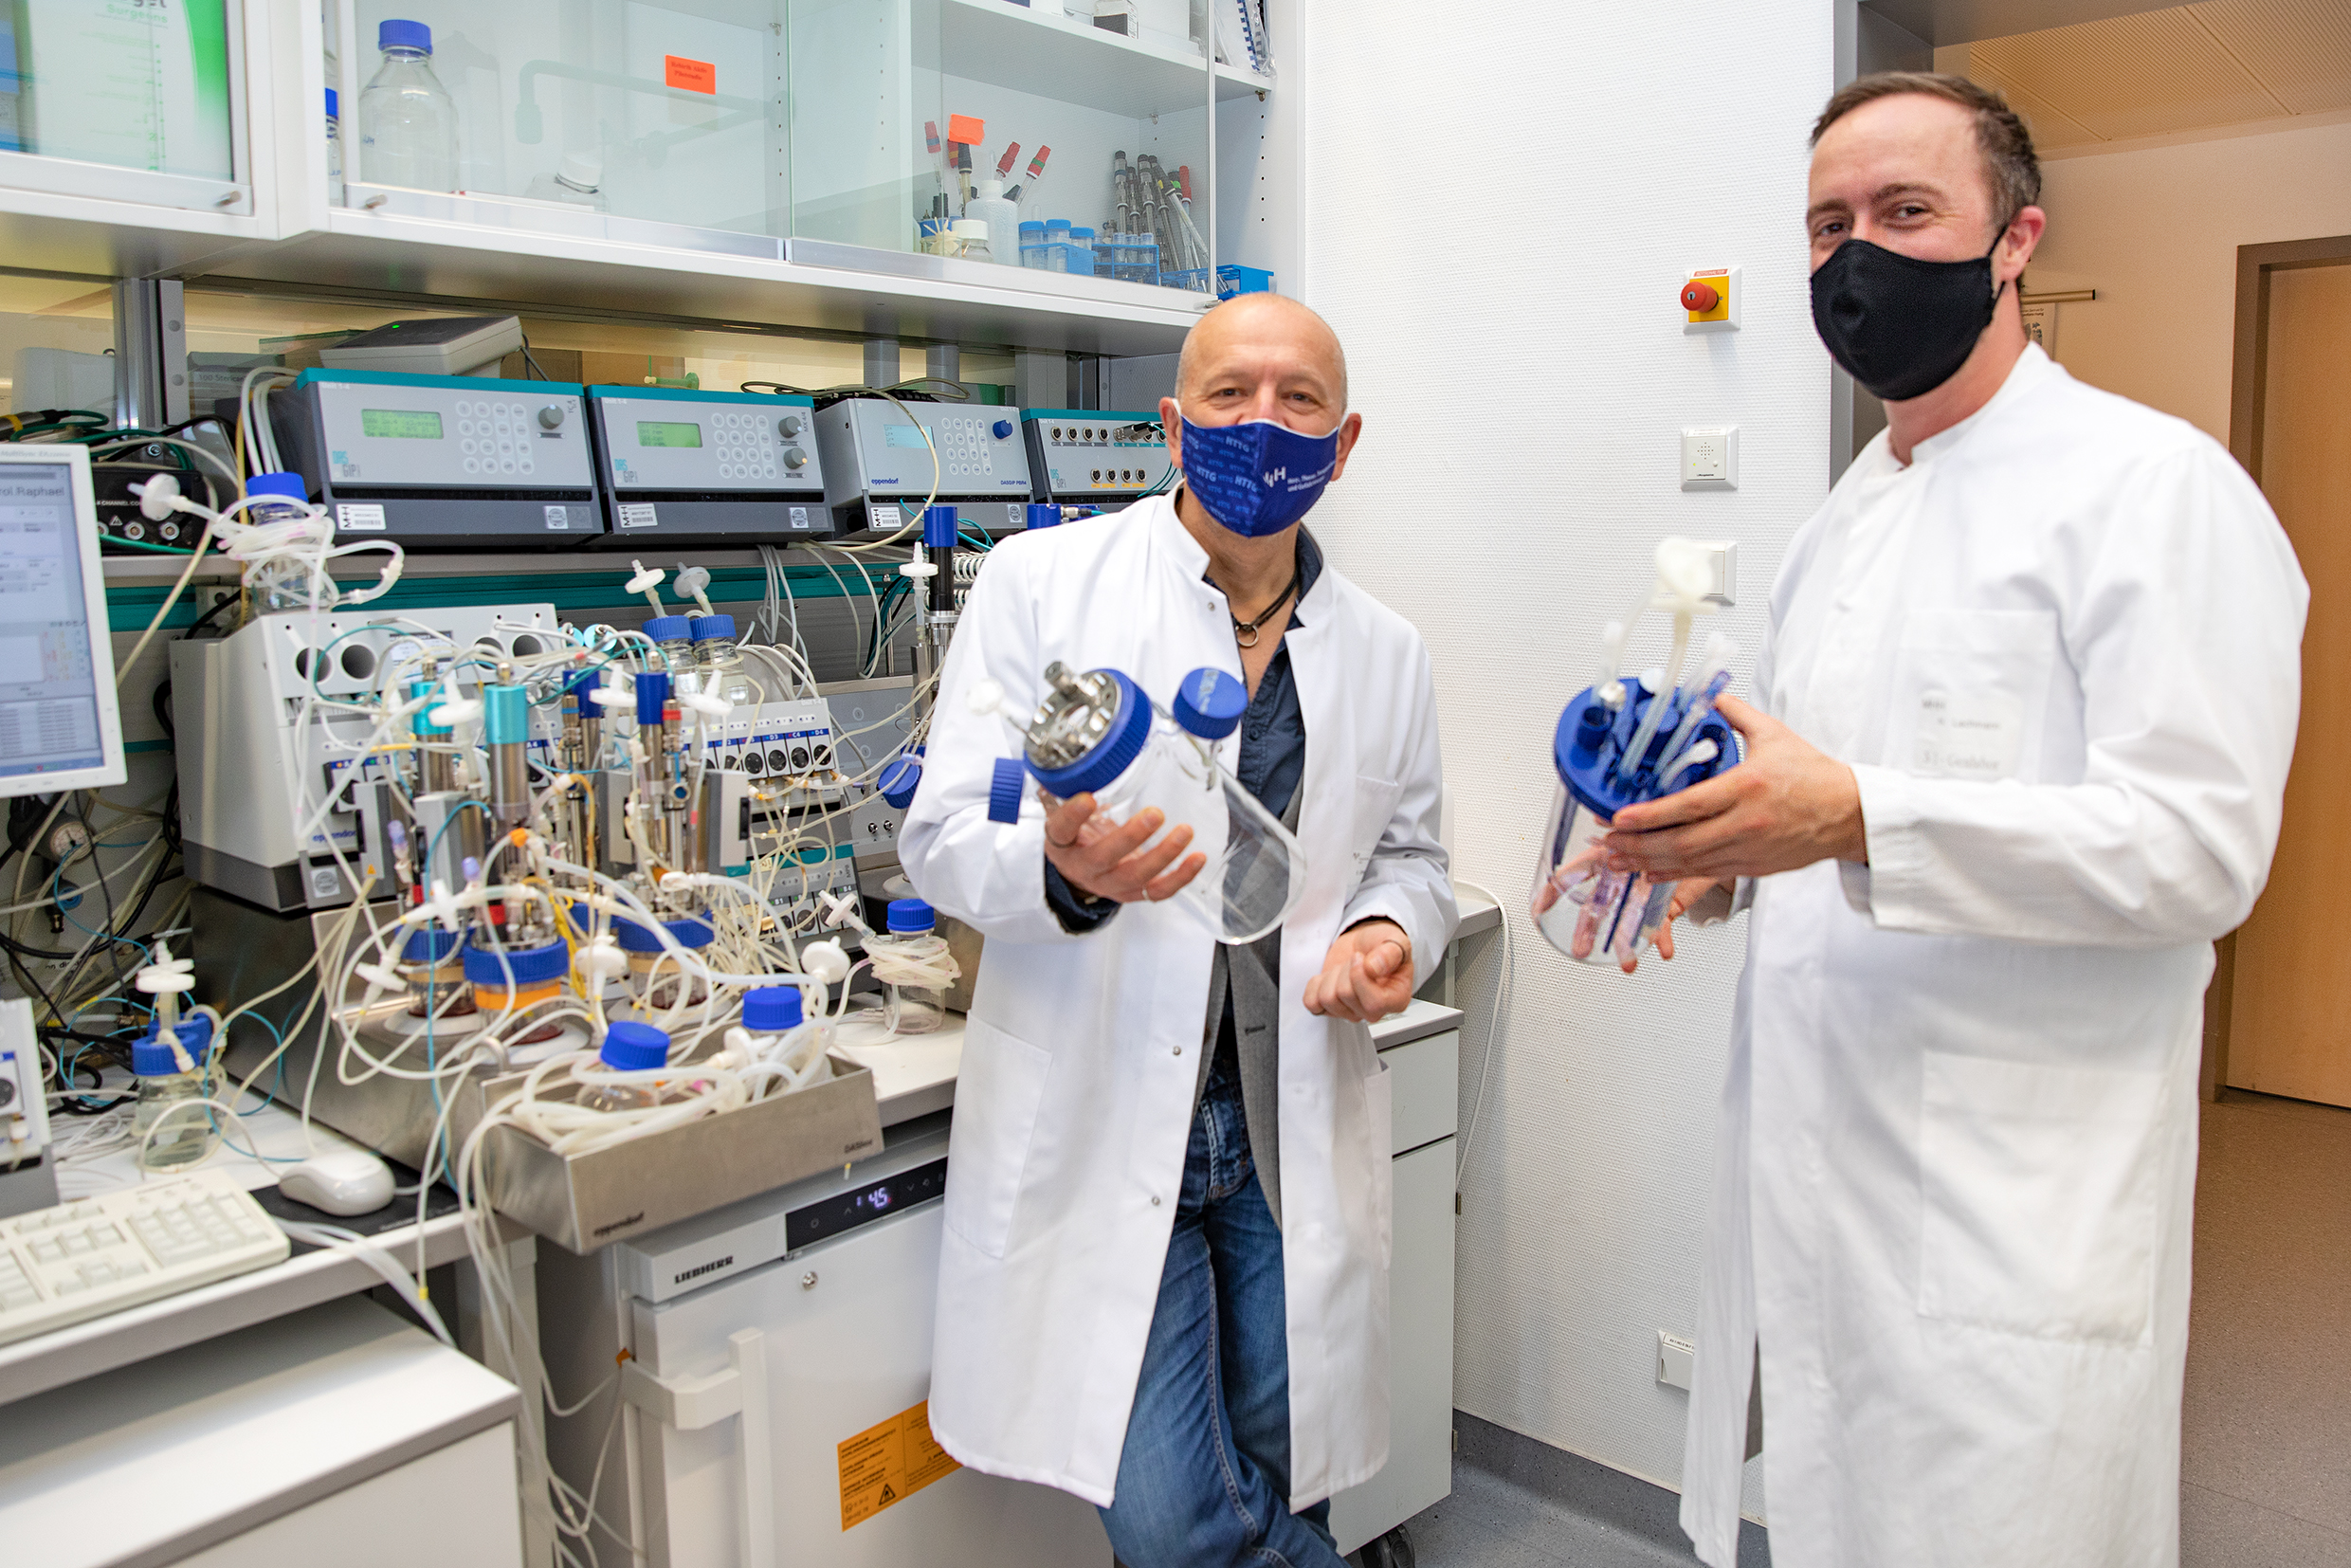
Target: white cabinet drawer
[(1427, 1081)]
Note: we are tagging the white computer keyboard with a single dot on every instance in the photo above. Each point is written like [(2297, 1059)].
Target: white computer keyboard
[(97, 1255)]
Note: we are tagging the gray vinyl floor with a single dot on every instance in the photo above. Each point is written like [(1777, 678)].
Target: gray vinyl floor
[(2266, 1460)]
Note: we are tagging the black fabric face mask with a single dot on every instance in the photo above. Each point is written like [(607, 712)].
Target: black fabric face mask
[(1900, 326)]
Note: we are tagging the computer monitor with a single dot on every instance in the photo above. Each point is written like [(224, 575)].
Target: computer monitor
[(59, 726)]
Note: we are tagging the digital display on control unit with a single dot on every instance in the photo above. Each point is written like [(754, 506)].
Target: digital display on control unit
[(655, 432), (904, 435), (401, 423), (846, 1212)]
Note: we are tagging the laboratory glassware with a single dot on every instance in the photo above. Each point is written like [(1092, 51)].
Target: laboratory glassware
[(333, 149), (168, 1080), (1098, 732), (408, 120), (628, 1048), (718, 659), (285, 581), (912, 962), (1002, 218), (1621, 740)]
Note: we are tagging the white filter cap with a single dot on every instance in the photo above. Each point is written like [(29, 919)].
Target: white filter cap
[(582, 170)]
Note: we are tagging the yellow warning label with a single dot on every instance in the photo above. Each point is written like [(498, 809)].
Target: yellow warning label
[(888, 1463)]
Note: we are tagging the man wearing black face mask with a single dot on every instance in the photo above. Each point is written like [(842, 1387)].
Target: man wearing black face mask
[(2018, 752)]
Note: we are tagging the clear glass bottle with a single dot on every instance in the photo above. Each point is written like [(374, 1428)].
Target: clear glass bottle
[(165, 1084), (674, 636), (718, 659), (333, 149), (285, 583), (408, 120), (783, 1037), (578, 181), (628, 1048), (1098, 732), (912, 962)]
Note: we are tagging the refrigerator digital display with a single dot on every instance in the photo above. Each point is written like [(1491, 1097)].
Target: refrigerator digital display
[(844, 1211)]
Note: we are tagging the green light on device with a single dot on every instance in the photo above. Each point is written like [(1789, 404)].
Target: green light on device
[(402, 423), (660, 434)]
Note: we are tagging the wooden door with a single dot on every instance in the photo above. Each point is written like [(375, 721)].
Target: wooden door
[(2291, 1005)]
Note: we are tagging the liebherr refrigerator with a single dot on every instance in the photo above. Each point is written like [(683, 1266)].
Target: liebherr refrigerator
[(772, 1404)]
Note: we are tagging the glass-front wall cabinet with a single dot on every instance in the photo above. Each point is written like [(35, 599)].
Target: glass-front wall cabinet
[(133, 100), (923, 136)]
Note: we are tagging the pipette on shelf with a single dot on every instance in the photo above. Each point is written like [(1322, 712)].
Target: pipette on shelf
[(1036, 173)]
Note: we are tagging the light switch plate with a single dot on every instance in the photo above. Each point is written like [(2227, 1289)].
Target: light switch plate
[(1674, 1358), (1710, 457)]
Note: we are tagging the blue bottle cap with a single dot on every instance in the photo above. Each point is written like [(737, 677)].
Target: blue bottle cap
[(1111, 755), (771, 1010), (404, 35), (1081, 233), (518, 968), (691, 932), (151, 1058), (1210, 703), (429, 945), (704, 627), (652, 695), (669, 628), (1005, 787), (912, 914), (278, 485), (1026, 226), (634, 1047), (1043, 515), (899, 779), (334, 104)]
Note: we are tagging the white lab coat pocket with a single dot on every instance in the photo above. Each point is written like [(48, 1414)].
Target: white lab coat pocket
[(998, 1090), (1970, 693), (1380, 1136), (2038, 1197)]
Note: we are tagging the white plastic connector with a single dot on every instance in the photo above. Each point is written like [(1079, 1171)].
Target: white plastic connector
[(694, 581), (166, 974), (601, 961), (918, 570), (710, 703), (825, 963)]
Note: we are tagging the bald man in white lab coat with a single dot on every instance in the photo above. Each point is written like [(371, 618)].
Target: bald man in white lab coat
[(2031, 687)]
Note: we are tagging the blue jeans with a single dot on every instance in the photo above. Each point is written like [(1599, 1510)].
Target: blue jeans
[(1204, 1479)]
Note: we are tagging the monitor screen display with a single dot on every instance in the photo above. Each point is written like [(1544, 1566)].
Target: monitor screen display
[(401, 423), (50, 718)]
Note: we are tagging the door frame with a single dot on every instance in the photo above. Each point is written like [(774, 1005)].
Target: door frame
[(2248, 380)]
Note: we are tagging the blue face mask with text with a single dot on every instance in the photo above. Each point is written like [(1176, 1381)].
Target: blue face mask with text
[(1257, 477)]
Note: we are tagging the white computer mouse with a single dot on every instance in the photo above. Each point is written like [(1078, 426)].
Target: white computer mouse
[(341, 1181)]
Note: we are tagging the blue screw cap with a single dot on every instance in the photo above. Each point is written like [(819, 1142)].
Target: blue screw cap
[(290, 486), (771, 1010), (899, 779), (669, 628), (404, 35), (912, 914), (429, 945), (1009, 782), (1210, 703), (630, 1046), (151, 1058), (702, 628), (636, 937), (516, 967)]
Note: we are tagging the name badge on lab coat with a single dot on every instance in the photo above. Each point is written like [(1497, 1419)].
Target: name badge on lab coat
[(1968, 735)]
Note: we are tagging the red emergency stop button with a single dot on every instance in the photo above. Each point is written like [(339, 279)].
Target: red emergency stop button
[(1697, 296)]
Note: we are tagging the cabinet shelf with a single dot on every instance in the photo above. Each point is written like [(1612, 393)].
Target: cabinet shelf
[(1063, 57), (378, 252)]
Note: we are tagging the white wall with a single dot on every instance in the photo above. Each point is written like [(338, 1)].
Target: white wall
[(1497, 203), (2156, 233)]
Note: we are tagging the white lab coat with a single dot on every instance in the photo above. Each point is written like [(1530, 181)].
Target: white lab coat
[(1957, 1148), (1073, 1108)]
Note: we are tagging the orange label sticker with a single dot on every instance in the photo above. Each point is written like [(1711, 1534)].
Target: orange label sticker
[(693, 76), (967, 129), (886, 1464)]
